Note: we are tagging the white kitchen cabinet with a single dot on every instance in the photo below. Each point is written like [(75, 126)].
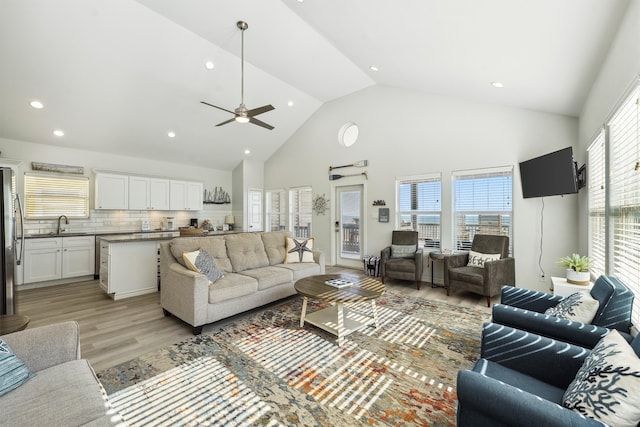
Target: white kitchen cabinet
[(129, 268), (186, 195), (57, 258), (112, 191), (147, 193)]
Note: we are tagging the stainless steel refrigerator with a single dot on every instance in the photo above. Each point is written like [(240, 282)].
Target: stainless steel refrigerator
[(12, 230)]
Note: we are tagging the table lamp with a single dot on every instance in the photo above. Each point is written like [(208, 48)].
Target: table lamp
[(230, 220)]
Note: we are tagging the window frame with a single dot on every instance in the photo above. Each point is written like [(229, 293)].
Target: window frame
[(431, 233), (299, 209), (279, 213), (45, 198)]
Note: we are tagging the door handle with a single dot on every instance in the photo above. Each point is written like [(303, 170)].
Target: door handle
[(337, 226)]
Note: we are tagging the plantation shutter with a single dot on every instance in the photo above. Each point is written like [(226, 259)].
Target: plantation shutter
[(596, 186), (624, 207), (482, 204), (420, 206), (276, 212), (49, 196), (300, 205)]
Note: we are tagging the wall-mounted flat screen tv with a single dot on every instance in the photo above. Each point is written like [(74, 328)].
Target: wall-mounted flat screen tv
[(549, 175)]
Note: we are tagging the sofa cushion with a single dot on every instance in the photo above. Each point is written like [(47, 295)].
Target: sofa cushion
[(299, 250), (232, 285), (608, 384), (246, 251), (467, 274), (68, 394), (13, 371), (275, 245), (301, 270), (202, 262), (215, 245), (270, 276)]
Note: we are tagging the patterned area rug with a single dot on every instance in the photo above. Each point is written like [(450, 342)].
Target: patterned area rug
[(262, 369)]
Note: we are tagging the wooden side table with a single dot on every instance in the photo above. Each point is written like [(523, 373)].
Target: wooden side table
[(13, 323)]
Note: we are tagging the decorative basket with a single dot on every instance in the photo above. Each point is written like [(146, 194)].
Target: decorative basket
[(191, 231)]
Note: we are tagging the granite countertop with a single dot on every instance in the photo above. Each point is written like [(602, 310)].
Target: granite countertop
[(100, 233), (138, 237)]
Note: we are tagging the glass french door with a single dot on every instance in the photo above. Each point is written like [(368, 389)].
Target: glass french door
[(349, 225)]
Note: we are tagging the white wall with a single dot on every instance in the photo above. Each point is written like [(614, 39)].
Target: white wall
[(408, 133), (29, 152), (620, 68)]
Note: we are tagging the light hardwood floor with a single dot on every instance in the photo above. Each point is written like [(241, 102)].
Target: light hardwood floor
[(112, 332)]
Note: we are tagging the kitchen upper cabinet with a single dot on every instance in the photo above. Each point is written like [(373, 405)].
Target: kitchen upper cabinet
[(112, 191), (186, 195), (149, 193)]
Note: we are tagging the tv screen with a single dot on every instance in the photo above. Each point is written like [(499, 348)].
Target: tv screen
[(549, 175)]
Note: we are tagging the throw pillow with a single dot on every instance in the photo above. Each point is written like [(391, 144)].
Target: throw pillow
[(403, 251), (477, 259), (202, 262), (578, 307), (607, 385), (13, 372), (299, 250)]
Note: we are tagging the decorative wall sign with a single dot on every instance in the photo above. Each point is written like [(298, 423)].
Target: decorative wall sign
[(320, 204), (383, 214)]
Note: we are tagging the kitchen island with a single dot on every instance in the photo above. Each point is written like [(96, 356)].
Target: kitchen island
[(129, 264)]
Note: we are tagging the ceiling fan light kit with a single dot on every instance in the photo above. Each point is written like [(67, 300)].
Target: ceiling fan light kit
[(242, 114)]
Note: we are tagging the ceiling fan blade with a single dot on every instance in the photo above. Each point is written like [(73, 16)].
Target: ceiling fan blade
[(260, 123), (233, 119), (260, 110), (215, 106)]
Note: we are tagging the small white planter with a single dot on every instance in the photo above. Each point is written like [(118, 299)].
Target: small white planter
[(578, 277)]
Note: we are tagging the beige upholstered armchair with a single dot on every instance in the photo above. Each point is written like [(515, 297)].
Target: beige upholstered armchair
[(481, 275), (403, 259)]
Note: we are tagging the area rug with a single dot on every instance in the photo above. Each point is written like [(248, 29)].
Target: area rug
[(262, 369)]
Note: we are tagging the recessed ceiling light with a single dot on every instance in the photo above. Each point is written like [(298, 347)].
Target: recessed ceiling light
[(373, 68), (37, 104), (209, 65), (300, 1), (247, 151), (290, 103), (58, 132), (497, 84), (171, 134)]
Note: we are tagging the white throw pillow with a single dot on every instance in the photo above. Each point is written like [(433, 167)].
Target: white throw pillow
[(403, 251), (477, 259), (607, 385), (578, 307), (299, 250)]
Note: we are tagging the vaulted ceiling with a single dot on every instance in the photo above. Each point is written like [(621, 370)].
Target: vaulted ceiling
[(118, 75)]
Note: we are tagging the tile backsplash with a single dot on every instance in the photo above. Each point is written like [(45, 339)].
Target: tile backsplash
[(102, 221)]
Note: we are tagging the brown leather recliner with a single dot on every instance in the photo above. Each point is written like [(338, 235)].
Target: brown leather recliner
[(487, 280), (398, 261)]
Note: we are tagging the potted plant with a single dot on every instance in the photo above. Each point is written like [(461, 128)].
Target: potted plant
[(577, 269)]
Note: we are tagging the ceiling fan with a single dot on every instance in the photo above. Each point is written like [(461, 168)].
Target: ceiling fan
[(242, 114)]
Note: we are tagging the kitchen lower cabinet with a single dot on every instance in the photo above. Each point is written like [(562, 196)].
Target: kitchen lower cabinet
[(129, 268), (58, 258)]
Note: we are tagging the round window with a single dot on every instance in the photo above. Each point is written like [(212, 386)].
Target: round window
[(348, 134)]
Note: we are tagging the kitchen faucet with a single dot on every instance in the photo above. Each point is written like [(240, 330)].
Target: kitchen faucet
[(66, 221)]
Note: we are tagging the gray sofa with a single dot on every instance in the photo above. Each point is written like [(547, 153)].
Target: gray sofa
[(254, 275), (64, 390)]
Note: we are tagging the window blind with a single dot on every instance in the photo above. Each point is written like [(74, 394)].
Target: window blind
[(300, 210), (276, 212), (49, 196), (419, 201), (596, 186), (624, 196), (482, 204)]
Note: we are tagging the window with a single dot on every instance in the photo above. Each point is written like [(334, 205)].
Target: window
[(597, 204), (419, 201), (276, 210), (482, 204), (49, 196), (300, 209), (624, 196)]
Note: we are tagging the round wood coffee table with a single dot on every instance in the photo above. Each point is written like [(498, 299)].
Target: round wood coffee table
[(12, 323), (338, 319)]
